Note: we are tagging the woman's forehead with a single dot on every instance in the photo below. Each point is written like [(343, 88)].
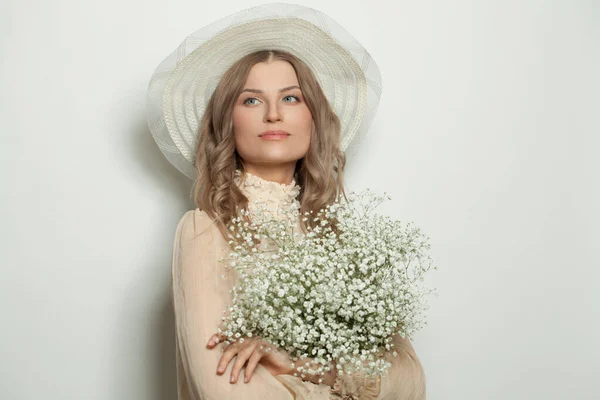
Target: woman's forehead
[(273, 76)]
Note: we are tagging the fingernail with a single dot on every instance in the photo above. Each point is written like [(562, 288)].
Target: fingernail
[(245, 379), (221, 369), (211, 342), (232, 378)]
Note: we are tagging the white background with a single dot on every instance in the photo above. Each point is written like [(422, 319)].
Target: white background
[(486, 137)]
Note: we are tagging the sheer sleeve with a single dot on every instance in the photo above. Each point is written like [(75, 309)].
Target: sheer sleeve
[(199, 296), (405, 379)]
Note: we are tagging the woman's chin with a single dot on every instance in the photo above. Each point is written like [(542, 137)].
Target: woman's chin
[(279, 157)]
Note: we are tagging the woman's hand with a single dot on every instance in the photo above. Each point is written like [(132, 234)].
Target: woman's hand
[(253, 350)]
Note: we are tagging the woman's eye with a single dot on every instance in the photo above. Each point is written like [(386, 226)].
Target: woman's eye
[(248, 99), (292, 97)]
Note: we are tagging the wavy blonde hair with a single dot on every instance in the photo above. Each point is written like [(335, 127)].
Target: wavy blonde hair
[(319, 173)]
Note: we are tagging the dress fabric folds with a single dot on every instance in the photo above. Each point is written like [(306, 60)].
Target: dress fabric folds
[(200, 294)]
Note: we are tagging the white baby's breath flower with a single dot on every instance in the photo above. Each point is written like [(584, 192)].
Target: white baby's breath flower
[(331, 294)]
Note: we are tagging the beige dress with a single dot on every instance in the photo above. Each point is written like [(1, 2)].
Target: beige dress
[(200, 294)]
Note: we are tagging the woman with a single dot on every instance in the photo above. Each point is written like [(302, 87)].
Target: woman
[(267, 134)]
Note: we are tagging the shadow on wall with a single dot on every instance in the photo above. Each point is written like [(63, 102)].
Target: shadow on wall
[(163, 371), (145, 364)]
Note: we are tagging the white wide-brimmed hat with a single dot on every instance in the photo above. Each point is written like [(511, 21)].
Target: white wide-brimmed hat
[(183, 83)]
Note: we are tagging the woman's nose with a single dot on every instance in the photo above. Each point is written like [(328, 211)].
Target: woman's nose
[(273, 114)]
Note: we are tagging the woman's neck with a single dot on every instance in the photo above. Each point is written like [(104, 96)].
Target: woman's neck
[(282, 174), (275, 196)]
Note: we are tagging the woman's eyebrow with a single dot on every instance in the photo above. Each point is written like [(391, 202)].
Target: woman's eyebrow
[(280, 90)]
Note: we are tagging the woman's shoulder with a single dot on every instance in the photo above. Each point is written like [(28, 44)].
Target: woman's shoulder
[(194, 223)]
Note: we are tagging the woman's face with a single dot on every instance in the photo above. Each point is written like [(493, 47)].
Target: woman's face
[(271, 101)]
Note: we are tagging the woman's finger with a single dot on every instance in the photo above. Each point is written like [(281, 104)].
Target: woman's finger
[(214, 340), (253, 362), (242, 357), (228, 354)]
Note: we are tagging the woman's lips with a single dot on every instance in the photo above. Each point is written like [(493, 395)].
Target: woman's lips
[(274, 136)]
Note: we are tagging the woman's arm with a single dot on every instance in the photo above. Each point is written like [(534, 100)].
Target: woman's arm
[(200, 295), (405, 379)]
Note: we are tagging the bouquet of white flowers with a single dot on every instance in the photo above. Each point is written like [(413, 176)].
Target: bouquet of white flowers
[(335, 295)]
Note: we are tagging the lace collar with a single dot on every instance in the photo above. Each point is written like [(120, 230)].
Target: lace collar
[(275, 194)]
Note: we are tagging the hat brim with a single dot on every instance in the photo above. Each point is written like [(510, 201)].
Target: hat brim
[(180, 95)]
